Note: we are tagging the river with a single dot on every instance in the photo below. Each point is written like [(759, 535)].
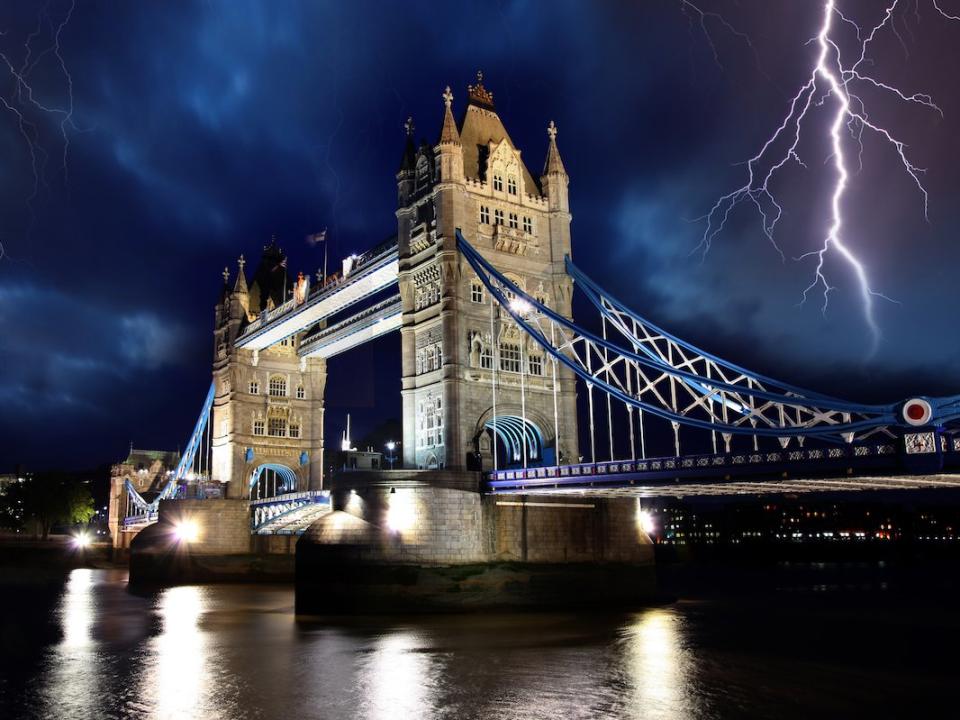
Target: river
[(81, 644)]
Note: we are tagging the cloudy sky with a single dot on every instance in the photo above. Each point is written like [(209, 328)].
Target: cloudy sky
[(151, 143)]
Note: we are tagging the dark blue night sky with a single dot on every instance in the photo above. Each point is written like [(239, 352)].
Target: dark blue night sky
[(201, 129)]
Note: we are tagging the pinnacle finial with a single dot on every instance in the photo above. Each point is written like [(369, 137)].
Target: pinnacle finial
[(478, 94), (226, 275), (447, 97), (552, 131), (241, 262), (408, 125)]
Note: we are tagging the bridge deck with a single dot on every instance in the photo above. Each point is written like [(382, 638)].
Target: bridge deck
[(802, 470)]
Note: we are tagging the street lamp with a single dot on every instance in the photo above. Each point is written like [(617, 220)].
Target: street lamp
[(391, 446)]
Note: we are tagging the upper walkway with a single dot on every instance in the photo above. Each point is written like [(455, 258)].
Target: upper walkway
[(368, 274)]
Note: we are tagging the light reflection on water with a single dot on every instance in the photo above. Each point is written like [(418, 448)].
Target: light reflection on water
[(176, 684), (237, 652)]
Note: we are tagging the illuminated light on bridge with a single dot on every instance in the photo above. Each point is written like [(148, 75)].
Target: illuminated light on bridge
[(401, 514), (187, 531), (645, 519)]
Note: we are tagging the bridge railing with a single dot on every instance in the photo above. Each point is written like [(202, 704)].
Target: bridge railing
[(878, 456), (270, 509)]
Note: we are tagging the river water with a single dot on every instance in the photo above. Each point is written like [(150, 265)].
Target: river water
[(83, 645)]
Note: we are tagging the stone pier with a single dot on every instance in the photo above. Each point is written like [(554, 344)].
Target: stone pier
[(222, 550), (429, 541)]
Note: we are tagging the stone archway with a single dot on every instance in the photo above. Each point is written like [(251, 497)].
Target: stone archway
[(271, 479)]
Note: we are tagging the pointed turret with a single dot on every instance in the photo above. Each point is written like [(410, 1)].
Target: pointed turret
[(555, 180), (449, 133), (409, 151), (240, 286), (449, 151), (553, 165)]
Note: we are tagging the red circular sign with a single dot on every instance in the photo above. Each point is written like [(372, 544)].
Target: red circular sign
[(917, 412)]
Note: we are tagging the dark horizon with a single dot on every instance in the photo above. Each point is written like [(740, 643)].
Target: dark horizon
[(198, 133)]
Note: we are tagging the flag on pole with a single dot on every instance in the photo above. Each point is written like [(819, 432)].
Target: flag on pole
[(317, 238)]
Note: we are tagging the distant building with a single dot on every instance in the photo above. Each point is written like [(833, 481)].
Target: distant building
[(147, 471)]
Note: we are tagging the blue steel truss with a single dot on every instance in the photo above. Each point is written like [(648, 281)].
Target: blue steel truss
[(149, 509), (657, 373)]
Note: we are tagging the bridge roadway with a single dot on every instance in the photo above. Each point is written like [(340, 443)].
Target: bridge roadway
[(804, 470), (370, 273)]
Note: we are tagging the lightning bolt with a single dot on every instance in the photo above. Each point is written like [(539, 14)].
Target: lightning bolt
[(27, 110), (831, 83)]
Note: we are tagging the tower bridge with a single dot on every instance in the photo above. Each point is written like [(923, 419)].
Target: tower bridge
[(491, 365)]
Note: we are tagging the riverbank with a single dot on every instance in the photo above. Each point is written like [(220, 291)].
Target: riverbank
[(59, 551)]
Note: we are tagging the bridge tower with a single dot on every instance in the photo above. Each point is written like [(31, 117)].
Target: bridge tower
[(268, 404), (456, 343)]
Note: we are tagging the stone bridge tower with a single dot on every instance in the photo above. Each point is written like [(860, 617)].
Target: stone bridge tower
[(268, 404), (474, 179)]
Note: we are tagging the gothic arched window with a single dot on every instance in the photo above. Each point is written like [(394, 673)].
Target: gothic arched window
[(278, 386)]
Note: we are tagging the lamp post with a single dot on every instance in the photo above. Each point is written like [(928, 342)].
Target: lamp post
[(391, 446)]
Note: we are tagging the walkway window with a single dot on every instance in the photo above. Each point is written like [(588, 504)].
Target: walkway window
[(294, 429), (498, 217), (277, 427), (476, 291), (301, 393), (509, 357), (485, 214), (258, 427), (512, 185), (498, 183), (528, 225), (278, 386), (254, 387), (486, 357), (535, 363)]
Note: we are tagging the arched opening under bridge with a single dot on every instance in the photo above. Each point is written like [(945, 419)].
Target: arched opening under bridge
[(513, 435), (271, 479)]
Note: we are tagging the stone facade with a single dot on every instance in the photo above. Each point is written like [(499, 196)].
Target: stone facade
[(432, 542), (148, 471), (268, 404), (474, 179)]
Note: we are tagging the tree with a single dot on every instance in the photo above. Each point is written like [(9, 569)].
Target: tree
[(46, 500)]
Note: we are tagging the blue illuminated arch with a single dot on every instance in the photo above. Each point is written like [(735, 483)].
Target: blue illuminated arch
[(287, 476), (514, 432)]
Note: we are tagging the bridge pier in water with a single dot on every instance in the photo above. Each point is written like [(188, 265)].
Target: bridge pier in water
[(430, 541)]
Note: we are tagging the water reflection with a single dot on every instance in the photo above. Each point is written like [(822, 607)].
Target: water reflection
[(178, 685), (398, 677), (236, 652), (70, 687), (660, 669)]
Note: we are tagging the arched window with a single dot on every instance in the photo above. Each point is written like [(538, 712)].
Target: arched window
[(294, 428), (301, 393), (509, 357), (486, 356), (512, 185), (254, 387), (498, 183), (476, 291), (278, 386), (277, 427), (535, 363)]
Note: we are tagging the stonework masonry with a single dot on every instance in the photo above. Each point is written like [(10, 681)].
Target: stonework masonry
[(454, 342), (432, 542)]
